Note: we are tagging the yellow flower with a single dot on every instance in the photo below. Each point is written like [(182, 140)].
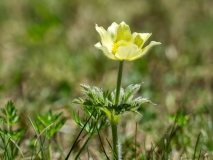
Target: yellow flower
[(118, 43)]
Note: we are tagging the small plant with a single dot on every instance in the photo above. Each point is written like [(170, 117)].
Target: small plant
[(93, 121), (117, 43), (47, 124), (10, 138)]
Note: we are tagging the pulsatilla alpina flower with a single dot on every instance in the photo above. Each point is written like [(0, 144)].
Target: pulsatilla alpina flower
[(118, 43)]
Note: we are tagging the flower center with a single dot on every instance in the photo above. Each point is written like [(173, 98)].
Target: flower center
[(114, 47)]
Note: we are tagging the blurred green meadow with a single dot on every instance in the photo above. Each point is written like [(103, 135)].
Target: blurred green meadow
[(47, 50)]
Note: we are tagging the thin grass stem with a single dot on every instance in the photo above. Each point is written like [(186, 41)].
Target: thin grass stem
[(111, 148), (82, 148), (102, 145), (196, 146), (50, 150), (136, 141), (59, 146), (76, 140)]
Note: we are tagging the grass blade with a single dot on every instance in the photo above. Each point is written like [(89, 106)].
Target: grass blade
[(195, 150), (102, 145), (136, 141), (76, 140), (115, 157)]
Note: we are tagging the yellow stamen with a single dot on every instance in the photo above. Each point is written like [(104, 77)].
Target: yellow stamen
[(114, 47)]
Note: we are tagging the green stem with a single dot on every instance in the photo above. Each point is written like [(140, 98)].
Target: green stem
[(119, 78), (82, 148), (50, 151), (114, 117), (59, 146), (114, 127)]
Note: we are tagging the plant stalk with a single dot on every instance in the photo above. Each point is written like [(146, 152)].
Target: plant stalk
[(114, 117), (119, 78), (114, 126), (50, 151)]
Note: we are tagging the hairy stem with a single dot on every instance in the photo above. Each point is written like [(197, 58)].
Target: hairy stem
[(114, 127), (119, 78), (114, 117)]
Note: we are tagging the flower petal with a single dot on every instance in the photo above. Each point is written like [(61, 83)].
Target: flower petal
[(105, 37), (144, 50), (127, 52), (133, 53), (147, 48), (140, 38), (113, 30), (123, 32), (137, 40), (145, 36), (105, 50)]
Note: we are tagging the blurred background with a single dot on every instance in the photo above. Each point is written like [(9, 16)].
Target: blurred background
[(47, 50)]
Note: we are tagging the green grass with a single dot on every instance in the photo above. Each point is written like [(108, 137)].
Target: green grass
[(46, 51), (41, 140)]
